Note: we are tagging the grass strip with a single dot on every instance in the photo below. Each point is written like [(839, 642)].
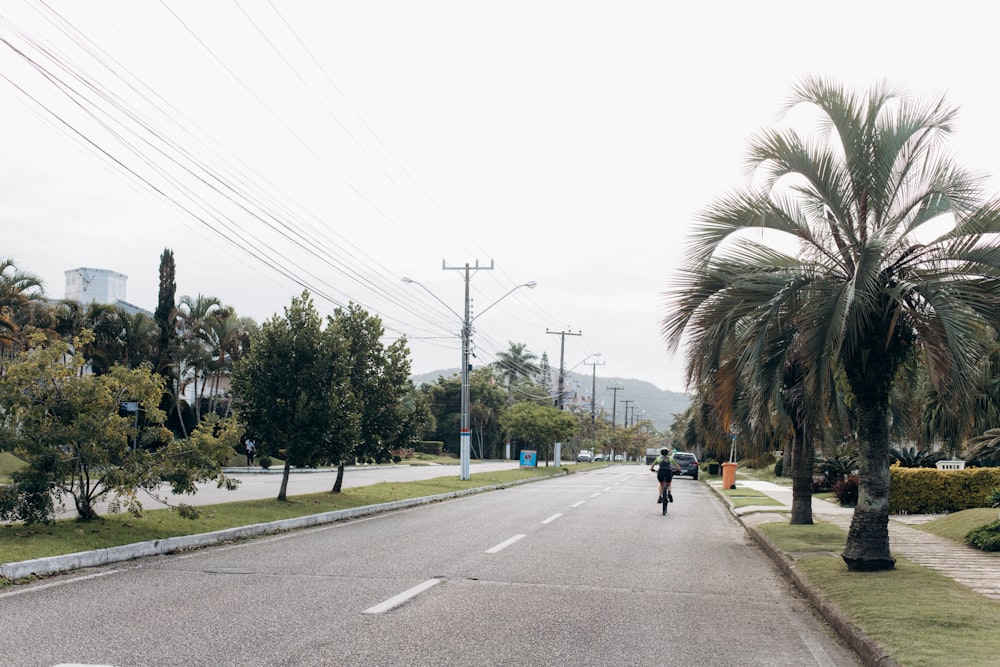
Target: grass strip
[(743, 497), (920, 616), (19, 542)]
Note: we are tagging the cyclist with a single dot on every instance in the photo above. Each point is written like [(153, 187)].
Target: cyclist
[(664, 474)]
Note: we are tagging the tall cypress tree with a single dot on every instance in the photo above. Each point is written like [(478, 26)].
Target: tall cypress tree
[(166, 321), (165, 306)]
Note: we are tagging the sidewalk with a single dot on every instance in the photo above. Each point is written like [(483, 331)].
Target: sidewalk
[(976, 569), (970, 567)]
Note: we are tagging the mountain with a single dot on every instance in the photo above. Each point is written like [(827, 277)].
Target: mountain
[(643, 398)]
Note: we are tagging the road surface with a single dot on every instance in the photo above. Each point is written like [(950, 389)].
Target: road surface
[(575, 570)]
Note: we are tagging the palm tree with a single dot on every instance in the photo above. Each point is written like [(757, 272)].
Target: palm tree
[(515, 365), (197, 319), (872, 283), (22, 302)]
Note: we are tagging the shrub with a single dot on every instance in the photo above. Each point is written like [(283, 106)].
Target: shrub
[(433, 447), (932, 491), (846, 491), (985, 538), (831, 469), (396, 458), (911, 457), (779, 467), (265, 462)]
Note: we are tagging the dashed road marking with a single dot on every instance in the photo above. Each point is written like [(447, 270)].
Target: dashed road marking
[(397, 600), (505, 544)]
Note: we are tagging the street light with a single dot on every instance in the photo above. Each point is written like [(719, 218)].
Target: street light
[(465, 437)]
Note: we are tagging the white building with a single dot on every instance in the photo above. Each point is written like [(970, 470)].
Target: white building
[(88, 285)]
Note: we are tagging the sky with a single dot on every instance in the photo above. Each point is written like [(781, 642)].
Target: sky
[(339, 147)]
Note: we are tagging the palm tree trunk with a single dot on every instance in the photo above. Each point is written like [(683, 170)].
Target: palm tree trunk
[(802, 466), (867, 547)]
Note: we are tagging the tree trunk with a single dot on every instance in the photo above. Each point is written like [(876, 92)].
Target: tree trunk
[(802, 456), (283, 491), (868, 538), (339, 482)]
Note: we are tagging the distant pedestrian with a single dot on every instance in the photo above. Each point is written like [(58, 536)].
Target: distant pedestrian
[(251, 448)]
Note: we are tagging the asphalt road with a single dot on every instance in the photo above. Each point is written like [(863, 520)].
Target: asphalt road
[(576, 570)]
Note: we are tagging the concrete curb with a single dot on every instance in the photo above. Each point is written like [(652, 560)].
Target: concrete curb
[(40, 567), (870, 651)]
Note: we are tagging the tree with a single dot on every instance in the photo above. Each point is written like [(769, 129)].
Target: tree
[(872, 283), (293, 390), (72, 432), (539, 425), (444, 400), (168, 352), (379, 382), (21, 303)]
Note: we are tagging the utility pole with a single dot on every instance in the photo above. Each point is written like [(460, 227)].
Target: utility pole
[(614, 401), (562, 362), (465, 437), (626, 401), (593, 401)]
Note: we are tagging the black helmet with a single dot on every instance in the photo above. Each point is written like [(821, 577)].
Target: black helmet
[(664, 451)]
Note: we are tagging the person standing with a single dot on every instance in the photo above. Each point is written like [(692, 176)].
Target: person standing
[(251, 448)]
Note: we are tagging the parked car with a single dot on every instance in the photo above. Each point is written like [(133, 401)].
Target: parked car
[(584, 456), (688, 463), (598, 457)]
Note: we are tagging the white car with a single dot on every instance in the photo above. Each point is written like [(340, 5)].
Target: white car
[(584, 456)]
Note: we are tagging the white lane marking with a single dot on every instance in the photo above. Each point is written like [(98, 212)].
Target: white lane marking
[(575, 505), (61, 582), (595, 494), (505, 544), (553, 518), (609, 488), (397, 600)]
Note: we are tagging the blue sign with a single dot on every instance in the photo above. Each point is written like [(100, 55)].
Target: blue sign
[(529, 459)]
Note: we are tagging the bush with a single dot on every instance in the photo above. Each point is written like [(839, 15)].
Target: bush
[(985, 538), (265, 462), (846, 491), (832, 469), (396, 458), (433, 447), (911, 457), (932, 491), (779, 467)]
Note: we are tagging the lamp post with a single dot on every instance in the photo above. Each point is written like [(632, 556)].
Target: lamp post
[(465, 436)]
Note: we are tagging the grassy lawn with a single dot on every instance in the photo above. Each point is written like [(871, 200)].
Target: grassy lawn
[(956, 526), (921, 617), (18, 542)]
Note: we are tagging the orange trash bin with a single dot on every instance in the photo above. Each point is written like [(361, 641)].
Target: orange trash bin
[(729, 475)]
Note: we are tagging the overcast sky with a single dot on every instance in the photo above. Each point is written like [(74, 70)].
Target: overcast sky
[(341, 146)]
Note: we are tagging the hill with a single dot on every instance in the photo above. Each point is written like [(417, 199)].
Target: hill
[(645, 399)]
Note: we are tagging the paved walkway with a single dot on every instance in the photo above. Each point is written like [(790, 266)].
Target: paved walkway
[(976, 569)]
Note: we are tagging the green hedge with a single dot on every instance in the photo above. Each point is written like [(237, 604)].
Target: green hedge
[(933, 491), (434, 447)]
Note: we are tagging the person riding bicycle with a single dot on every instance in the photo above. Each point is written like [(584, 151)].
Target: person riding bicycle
[(665, 473)]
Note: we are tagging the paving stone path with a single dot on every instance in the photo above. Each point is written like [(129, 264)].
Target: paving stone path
[(976, 569)]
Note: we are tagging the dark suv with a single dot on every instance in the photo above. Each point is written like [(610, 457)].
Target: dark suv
[(688, 463)]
